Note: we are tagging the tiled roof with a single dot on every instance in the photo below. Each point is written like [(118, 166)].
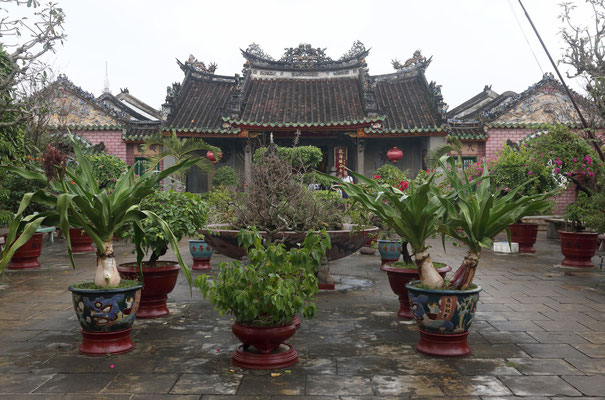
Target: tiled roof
[(407, 104), (138, 132), (310, 102), (201, 104)]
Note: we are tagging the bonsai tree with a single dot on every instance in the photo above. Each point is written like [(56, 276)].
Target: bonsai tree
[(587, 213), (476, 211), (273, 286), (184, 212), (225, 176), (74, 197)]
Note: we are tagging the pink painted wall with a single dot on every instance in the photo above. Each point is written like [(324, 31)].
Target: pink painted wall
[(497, 138), (114, 144), (565, 198)]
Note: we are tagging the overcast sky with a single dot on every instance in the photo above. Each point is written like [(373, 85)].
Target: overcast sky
[(473, 42)]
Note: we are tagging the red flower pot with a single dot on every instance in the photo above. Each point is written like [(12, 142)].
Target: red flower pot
[(26, 256), (525, 235), (158, 282), (80, 241), (398, 278), (261, 346), (578, 248)]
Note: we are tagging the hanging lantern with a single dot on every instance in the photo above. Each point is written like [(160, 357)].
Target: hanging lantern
[(210, 156), (394, 154)]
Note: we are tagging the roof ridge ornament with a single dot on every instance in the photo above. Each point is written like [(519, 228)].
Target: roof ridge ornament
[(199, 66), (357, 50), (416, 61), (255, 50), (305, 54)]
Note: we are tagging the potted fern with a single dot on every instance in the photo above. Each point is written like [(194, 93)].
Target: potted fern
[(106, 306)]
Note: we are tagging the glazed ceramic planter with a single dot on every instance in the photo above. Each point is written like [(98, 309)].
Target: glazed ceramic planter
[(398, 278), (390, 250), (578, 248), (80, 241), (444, 318), (26, 256), (158, 282), (262, 346), (106, 317), (525, 235), (201, 253)]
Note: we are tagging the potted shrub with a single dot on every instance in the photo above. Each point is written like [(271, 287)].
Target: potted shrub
[(225, 176), (184, 213), (106, 307), (576, 162), (265, 294), (513, 167), (471, 215)]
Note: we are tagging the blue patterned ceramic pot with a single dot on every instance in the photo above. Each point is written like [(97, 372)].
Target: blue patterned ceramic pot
[(106, 310), (390, 250), (201, 253), (443, 311)]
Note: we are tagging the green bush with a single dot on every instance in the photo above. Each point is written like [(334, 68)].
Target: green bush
[(5, 218), (106, 169), (300, 156), (184, 212), (225, 176), (587, 212), (12, 189), (514, 167), (274, 285), (220, 206), (390, 174)]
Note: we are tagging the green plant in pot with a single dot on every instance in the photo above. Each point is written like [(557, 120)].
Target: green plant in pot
[(513, 167), (106, 307), (185, 213), (264, 295)]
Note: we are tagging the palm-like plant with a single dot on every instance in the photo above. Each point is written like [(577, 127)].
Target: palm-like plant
[(413, 216), (476, 211), (179, 150), (74, 198)]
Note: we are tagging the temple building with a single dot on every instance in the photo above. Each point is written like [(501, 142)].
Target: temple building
[(336, 105)]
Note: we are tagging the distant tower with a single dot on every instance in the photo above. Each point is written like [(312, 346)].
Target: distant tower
[(106, 88)]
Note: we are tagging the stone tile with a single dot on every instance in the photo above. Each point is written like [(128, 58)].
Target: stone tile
[(423, 365), (225, 397), (498, 337), (76, 383), (591, 350), (588, 385), (516, 326), (206, 384), (561, 326), (31, 396), (593, 337), (318, 385), (589, 366), (472, 386), (265, 384), (477, 366), (557, 337), (141, 383), (96, 396), (496, 351), (406, 385), (534, 366), (545, 386), (551, 351), (21, 383)]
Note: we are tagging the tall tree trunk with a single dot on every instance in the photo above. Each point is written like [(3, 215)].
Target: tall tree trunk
[(107, 272), (428, 274), (463, 277)]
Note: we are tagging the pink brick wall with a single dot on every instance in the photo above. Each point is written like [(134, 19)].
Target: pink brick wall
[(114, 144), (497, 138), (567, 197)]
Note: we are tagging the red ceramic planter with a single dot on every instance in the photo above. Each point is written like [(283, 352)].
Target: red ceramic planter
[(262, 346), (26, 256), (525, 235), (578, 248), (398, 278), (80, 241), (158, 282)]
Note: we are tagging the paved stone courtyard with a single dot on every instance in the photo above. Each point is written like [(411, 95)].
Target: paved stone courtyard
[(539, 333)]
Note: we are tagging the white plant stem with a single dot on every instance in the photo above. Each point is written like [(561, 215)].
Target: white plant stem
[(428, 274), (107, 271)]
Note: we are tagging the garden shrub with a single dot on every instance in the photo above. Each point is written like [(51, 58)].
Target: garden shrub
[(299, 156), (391, 175), (106, 169), (225, 176)]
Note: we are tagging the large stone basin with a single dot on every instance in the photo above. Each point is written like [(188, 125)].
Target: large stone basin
[(344, 242)]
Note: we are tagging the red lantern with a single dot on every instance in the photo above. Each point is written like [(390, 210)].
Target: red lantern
[(210, 156), (394, 154)]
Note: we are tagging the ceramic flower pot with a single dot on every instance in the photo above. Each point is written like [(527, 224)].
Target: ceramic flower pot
[(390, 250), (80, 241), (525, 235), (201, 253), (578, 248), (26, 256), (398, 278), (106, 317), (158, 282), (264, 347), (444, 318)]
